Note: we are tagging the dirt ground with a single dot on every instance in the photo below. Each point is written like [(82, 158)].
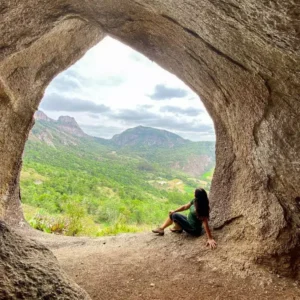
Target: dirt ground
[(146, 266)]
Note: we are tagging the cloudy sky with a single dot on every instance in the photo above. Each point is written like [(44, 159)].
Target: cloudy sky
[(113, 88)]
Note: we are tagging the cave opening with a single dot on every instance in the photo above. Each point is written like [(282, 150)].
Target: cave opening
[(114, 110)]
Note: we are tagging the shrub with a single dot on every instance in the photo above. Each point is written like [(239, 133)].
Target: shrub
[(49, 224), (75, 213)]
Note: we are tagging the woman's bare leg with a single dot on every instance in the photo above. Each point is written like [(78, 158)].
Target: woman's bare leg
[(167, 223), (160, 230)]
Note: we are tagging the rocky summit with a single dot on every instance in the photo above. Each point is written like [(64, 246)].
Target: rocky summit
[(70, 125), (147, 136)]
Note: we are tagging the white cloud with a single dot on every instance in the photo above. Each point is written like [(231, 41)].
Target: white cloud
[(115, 76)]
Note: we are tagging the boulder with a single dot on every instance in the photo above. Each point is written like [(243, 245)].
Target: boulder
[(29, 270)]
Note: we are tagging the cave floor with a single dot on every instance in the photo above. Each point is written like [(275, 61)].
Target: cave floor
[(146, 266)]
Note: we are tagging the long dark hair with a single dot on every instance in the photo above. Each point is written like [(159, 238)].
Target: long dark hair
[(201, 204)]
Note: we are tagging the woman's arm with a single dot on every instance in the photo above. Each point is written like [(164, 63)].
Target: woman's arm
[(181, 208), (210, 242)]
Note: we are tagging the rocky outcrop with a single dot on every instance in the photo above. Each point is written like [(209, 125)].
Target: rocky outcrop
[(241, 57), (30, 271), (41, 116), (64, 131), (69, 124)]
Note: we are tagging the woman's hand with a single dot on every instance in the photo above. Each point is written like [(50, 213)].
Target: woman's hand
[(211, 243)]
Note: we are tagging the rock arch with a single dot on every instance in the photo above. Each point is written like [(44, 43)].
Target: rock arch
[(241, 57)]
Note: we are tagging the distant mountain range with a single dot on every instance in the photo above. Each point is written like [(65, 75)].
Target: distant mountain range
[(154, 145)]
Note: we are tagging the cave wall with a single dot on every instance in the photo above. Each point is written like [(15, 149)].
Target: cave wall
[(28, 270), (24, 76), (241, 57)]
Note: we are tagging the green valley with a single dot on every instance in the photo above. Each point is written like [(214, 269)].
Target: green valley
[(75, 184)]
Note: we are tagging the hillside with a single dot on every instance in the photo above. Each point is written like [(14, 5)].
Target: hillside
[(167, 149), (156, 146), (73, 183), (63, 132)]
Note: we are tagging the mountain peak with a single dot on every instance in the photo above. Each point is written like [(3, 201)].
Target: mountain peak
[(41, 116), (70, 125), (66, 120), (147, 136)]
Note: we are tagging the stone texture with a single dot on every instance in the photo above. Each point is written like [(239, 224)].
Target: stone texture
[(24, 77), (240, 56), (29, 270)]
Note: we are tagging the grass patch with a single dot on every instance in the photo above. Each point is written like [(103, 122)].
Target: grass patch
[(208, 175)]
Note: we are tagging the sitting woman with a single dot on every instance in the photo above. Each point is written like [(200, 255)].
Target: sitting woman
[(199, 213)]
